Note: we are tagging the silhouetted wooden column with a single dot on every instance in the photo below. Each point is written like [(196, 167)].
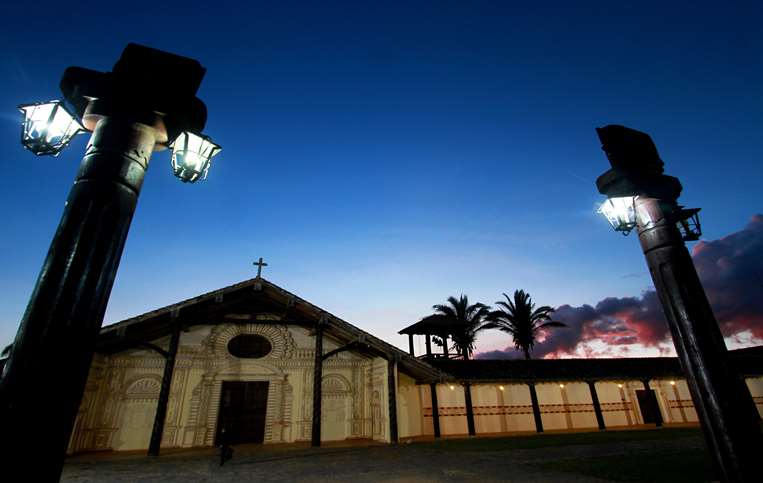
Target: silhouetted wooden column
[(536, 407), (317, 379), (596, 405), (392, 396), (435, 410), (653, 400), (445, 346), (164, 394), (410, 344), (429, 345), (469, 409)]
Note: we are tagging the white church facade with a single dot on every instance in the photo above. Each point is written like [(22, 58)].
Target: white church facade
[(242, 363)]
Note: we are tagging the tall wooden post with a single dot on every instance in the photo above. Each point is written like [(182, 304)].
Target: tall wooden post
[(317, 379), (469, 409), (435, 410), (596, 405), (164, 393), (410, 345), (392, 397), (445, 346), (429, 345), (653, 401), (536, 407)]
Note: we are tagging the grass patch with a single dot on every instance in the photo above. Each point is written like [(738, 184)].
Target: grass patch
[(561, 439), (672, 466)]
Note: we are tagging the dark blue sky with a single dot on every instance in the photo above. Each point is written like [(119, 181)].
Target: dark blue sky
[(384, 155)]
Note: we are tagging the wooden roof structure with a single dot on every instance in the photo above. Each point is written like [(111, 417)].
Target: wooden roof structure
[(255, 301), (748, 362), (435, 324)]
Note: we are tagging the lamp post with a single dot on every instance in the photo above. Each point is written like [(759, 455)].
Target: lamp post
[(141, 106), (641, 197)]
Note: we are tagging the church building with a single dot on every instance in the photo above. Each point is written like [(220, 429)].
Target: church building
[(253, 363)]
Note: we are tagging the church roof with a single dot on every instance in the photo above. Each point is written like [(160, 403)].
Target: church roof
[(254, 300)]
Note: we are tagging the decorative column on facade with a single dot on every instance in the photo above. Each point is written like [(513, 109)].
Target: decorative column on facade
[(625, 405), (435, 410), (596, 404), (536, 407), (679, 404)]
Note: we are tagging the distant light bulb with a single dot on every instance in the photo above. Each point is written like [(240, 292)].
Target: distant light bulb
[(620, 386), (452, 387), (500, 387), (672, 383)]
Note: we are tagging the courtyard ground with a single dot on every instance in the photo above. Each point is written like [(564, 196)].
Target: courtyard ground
[(664, 454)]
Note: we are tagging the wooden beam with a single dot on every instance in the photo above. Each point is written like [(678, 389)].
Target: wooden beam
[(536, 407), (653, 401), (392, 397), (435, 410), (347, 347), (155, 348), (317, 379), (596, 405), (469, 409), (410, 345), (429, 345), (164, 393)]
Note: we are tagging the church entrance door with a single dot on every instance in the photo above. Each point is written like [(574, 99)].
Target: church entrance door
[(243, 406)]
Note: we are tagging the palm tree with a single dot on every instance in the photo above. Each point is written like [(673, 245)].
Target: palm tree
[(467, 320), (521, 320)]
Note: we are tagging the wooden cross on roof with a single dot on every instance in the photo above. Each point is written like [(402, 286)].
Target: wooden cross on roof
[(259, 264)]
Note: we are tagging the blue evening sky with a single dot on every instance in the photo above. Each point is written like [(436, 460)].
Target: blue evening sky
[(382, 156)]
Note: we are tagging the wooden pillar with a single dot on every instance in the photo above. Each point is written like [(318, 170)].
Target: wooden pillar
[(653, 399), (435, 410), (429, 345), (445, 346), (410, 345), (392, 396), (317, 379), (596, 405), (164, 394), (469, 409), (536, 407)]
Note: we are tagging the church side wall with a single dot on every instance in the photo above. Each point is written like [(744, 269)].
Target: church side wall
[(409, 407)]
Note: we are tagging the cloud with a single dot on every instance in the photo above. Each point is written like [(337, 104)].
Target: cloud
[(731, 270)]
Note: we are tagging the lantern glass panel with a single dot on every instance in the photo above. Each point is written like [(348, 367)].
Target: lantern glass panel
[(48, 127), (192, 155), (620, 212)]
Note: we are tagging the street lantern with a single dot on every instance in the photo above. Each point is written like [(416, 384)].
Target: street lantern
[(620, 212), (146, 100), (192, 155), (640, 196), (48, 127)]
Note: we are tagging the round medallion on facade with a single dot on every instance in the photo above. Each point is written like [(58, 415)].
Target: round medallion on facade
[(249, 346)]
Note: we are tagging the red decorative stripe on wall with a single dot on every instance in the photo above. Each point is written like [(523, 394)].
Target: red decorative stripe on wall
[(516, 409)]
